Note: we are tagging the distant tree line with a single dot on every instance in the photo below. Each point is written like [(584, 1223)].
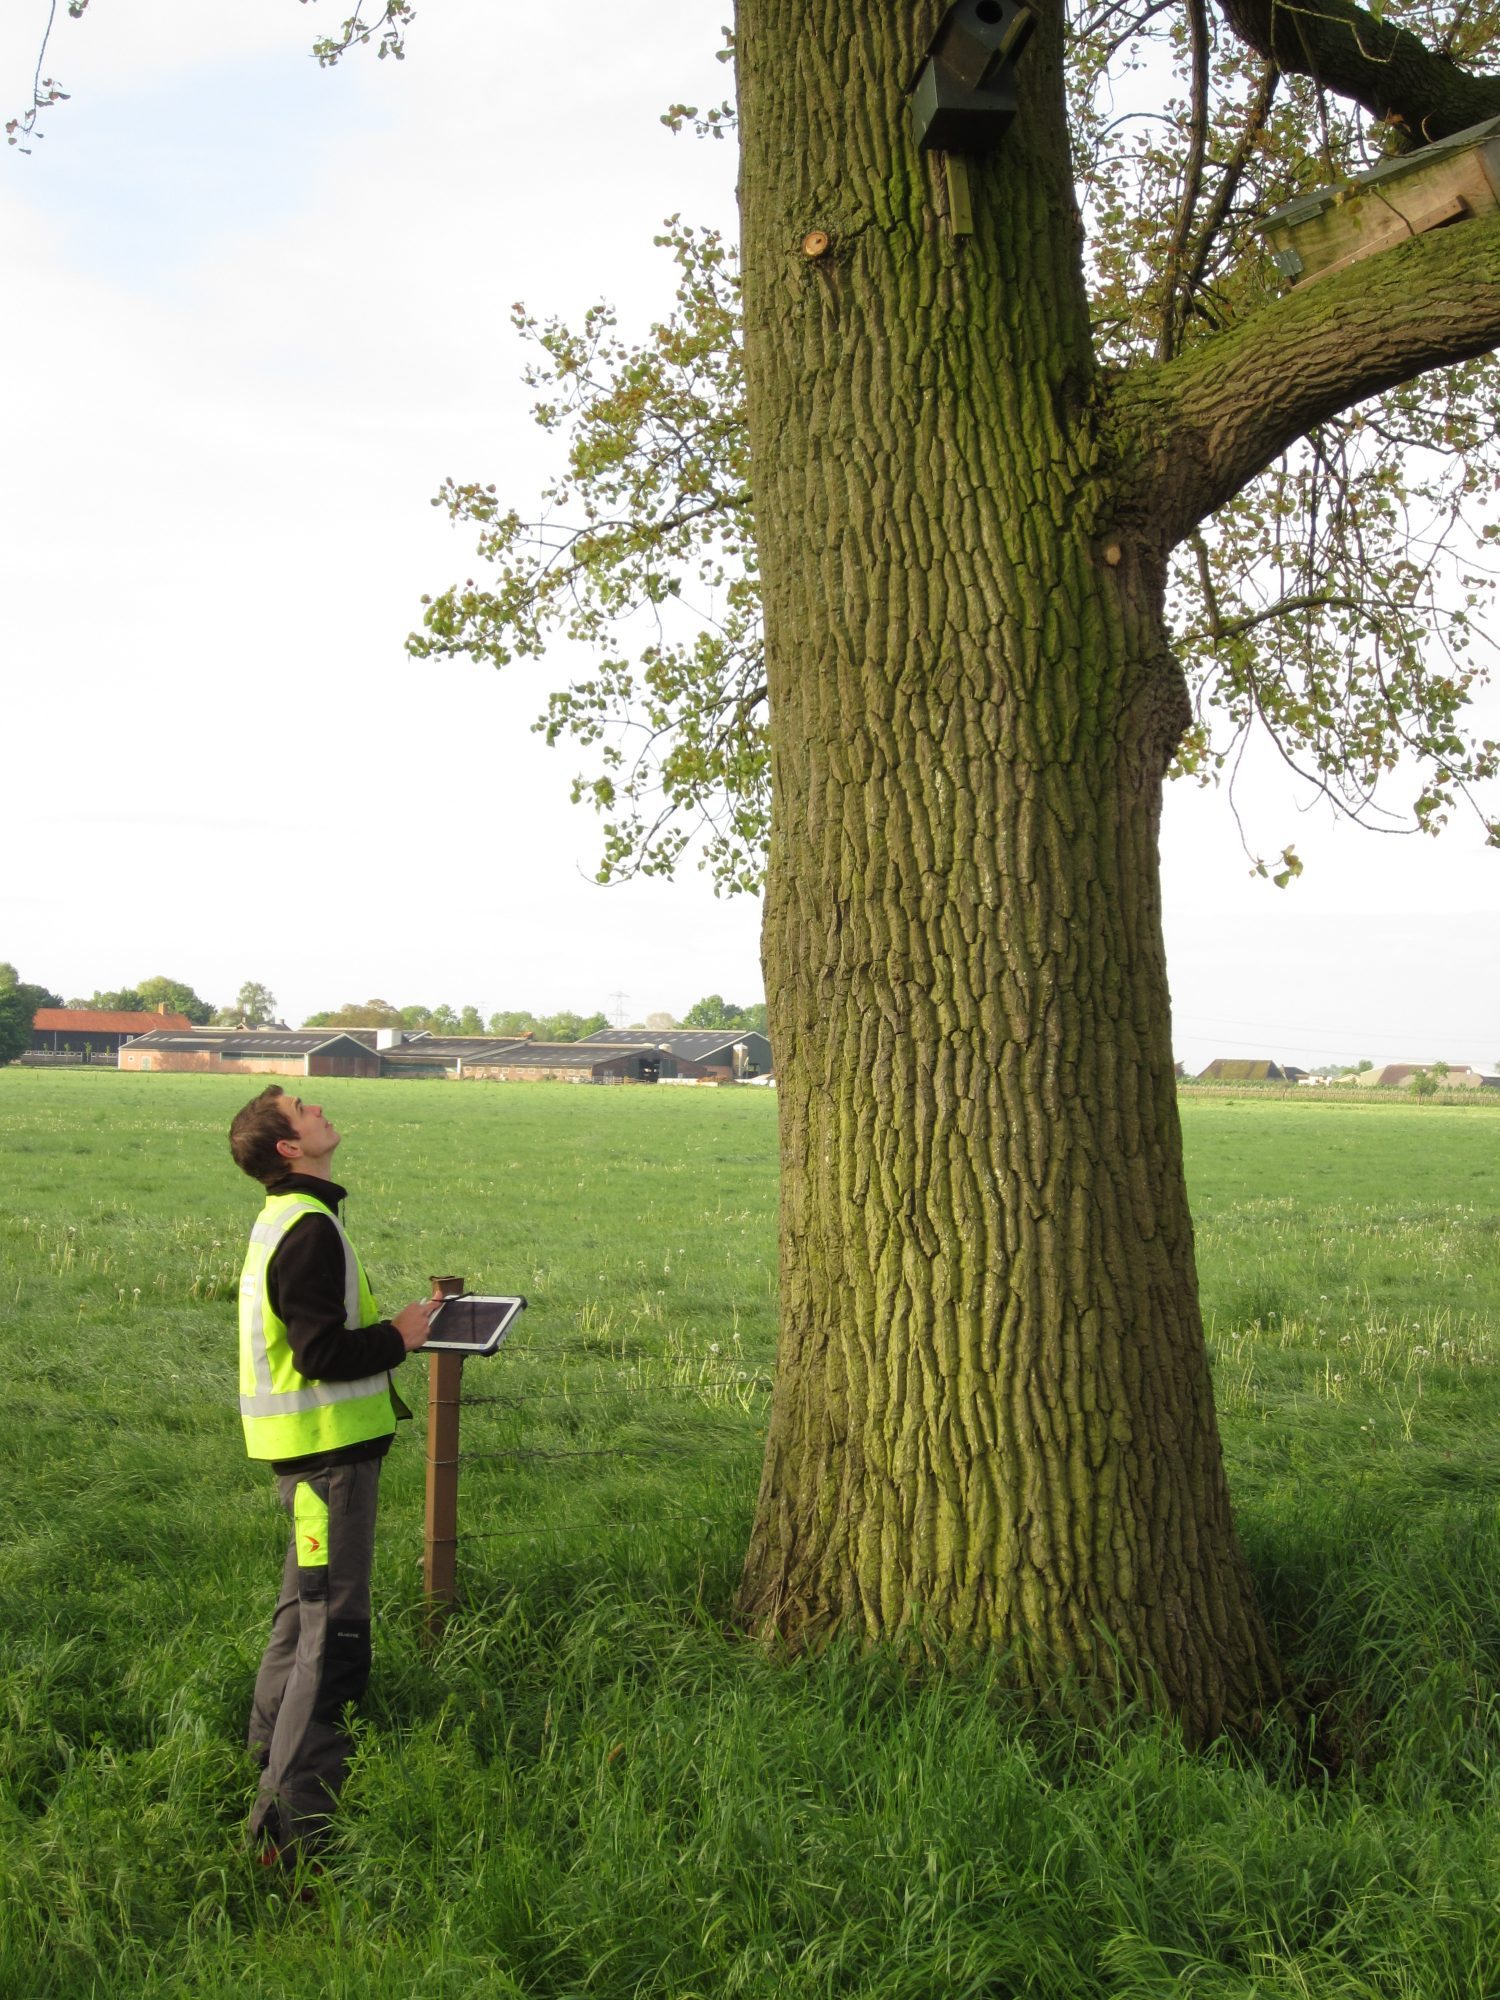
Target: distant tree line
[(445, 1020), (711, 1012), (255, 1006), (146, 997), (716, 1012), (18, 1003)]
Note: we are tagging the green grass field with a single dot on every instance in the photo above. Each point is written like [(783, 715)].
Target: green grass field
[(588, 1787)]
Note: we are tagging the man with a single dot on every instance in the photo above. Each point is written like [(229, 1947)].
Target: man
[(317, 1401)]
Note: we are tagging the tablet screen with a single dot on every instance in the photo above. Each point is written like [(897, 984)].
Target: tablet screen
[(472, 1323)]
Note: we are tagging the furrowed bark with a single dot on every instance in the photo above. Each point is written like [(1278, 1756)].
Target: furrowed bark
[(1386, 68), (992, 1425)]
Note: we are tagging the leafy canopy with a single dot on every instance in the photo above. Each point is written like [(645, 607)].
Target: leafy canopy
[(16, 1010), (643, 552), (566, 1026), (254, 1006), (716, 1012), (1335, 606)]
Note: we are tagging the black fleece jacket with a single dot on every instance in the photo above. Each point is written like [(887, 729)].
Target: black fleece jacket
[(305, 1288)]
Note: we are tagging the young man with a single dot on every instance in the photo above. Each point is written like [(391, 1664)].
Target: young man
[(317, 1401)]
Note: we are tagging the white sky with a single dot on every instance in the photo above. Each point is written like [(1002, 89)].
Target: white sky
[(254, 313)]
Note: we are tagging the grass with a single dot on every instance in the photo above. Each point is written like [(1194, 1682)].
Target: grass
[(587, 1787)]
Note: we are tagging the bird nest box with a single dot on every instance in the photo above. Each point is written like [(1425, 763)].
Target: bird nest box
[(1405, 196)]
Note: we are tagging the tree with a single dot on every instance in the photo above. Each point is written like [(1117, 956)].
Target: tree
[(516, 1023), (470, 1022), (372, 1014), (1422, 1083), (713, 1011), (176, 996), (254, 1006), (15, 1016), (32, 997), (118, 1000), (992, 1421), (569, 1027), (661, 1020)]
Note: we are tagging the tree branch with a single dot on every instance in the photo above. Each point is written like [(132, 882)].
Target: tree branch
[(1174, 307), (1193, 431), (1229, 183), (1387, 69)]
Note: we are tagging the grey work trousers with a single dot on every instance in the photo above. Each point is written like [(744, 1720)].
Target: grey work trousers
[(318, 1658)]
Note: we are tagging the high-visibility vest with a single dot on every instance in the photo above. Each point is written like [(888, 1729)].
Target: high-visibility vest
[(286, 1414)]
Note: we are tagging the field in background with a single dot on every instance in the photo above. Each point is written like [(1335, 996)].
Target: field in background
[(588, 1787)]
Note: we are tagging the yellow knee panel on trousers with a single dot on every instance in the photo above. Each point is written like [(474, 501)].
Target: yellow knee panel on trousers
[(310, 1518)]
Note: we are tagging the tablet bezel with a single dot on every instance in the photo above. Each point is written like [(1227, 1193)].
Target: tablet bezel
[(514, 1300)]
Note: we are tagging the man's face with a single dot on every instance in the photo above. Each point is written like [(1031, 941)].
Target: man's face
[(315, 1139)]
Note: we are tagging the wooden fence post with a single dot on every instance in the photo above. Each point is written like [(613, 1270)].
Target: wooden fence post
[(445, 1375)]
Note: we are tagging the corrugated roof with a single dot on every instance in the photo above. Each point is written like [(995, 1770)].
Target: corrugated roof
[(235, 1042), (90, 1020), (174, 1038), (436, 1053), (1241, 1069), (287, 1042), (567, 1055), (455, 1045), (698, 1043)]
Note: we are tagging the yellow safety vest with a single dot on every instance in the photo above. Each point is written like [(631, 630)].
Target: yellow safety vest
[(287, 1414)]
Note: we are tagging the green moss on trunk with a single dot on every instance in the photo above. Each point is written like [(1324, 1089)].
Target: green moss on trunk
[(992, 1423)]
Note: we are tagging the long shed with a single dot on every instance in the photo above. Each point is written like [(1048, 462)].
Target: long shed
[(447, 1055), (308, 1052), (1242, 1069), (586, 1062), (729, 1054)]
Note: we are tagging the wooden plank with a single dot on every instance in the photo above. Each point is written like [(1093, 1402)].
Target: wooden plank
[(1424, 192), (960, 199), (1399, 223), (445, 1384)]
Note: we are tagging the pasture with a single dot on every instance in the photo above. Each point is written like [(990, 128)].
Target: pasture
[(588, 1786)]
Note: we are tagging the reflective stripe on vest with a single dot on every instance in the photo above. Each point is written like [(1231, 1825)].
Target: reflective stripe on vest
[(287, 1414)]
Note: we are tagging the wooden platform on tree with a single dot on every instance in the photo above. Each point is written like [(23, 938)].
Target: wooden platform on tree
[(1406, 196)]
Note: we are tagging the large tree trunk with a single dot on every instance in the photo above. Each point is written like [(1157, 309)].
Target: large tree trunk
[(993, 1423)]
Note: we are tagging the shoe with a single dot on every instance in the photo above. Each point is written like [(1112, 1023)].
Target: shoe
[(271, 1856)]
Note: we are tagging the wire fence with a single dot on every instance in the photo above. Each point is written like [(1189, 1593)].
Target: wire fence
[(730, 1403)]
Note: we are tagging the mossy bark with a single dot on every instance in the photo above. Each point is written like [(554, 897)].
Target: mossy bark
[(993, 1424)]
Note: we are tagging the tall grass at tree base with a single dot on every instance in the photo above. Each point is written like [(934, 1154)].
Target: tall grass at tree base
[(588, 1785)]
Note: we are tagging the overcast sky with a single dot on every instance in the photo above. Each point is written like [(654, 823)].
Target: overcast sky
[(254, 313)]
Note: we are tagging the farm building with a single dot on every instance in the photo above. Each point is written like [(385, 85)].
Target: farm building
[(1244, 1069), (251, 1052), (445, 1055), (727, 1054), (88, 1033), (586, 1062), (1456, 1076)]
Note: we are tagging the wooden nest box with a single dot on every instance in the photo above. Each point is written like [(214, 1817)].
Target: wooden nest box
[(1402, 197)]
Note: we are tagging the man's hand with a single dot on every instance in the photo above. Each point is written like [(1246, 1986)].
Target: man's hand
[(414, 1322)]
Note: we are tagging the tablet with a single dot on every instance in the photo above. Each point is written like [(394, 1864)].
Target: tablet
[(473, 1323)]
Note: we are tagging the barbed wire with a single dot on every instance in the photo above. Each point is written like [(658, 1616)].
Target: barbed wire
[(609, 1527), (758, 1386), (592, 1451)]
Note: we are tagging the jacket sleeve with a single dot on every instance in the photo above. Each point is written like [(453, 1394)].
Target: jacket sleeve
[(305, 1286)]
